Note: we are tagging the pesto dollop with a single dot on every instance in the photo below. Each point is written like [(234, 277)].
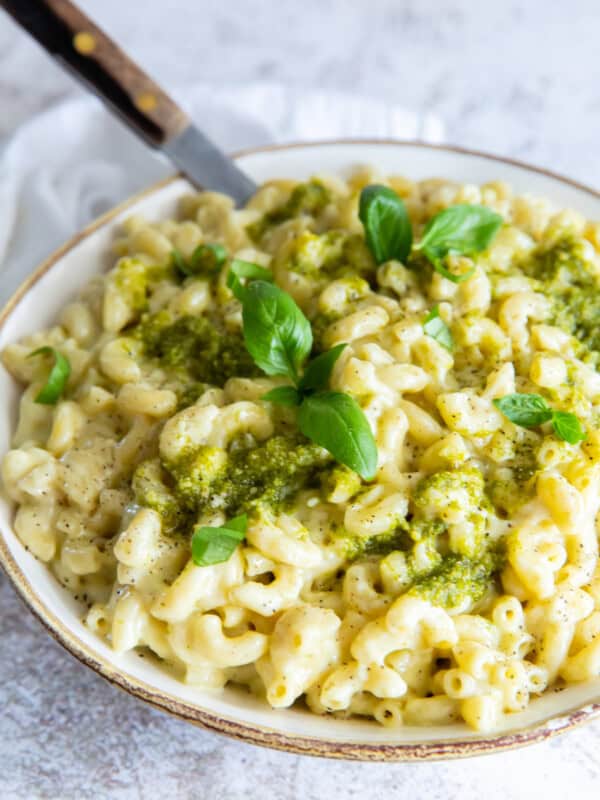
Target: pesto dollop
[(568, 279), (195, 348), (429, 553), (329, 256), (237, 481), (458, 579), (306, 199)]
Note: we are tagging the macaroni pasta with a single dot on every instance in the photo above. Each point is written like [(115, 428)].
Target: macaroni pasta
[(460, 583)]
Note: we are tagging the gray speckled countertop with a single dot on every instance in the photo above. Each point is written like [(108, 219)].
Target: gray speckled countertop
[(518, 78)]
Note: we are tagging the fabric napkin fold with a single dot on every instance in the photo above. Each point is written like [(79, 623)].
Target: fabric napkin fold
[(74, 161)]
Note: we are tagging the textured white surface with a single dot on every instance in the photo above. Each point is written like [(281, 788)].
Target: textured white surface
[(517, 78)]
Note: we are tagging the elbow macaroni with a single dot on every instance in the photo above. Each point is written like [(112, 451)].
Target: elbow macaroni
[(374, 600)]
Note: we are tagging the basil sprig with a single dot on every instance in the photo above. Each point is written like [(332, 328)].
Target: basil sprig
[(279, 338), (531, 410), (435, 327), (387, 227), (215, 545), (462, 229), (55, 384)]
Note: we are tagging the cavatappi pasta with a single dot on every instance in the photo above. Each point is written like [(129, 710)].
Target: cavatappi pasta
[(460, 583)]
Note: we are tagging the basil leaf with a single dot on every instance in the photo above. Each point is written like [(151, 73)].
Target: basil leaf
[(215, 545), (435, 327), (207, 259), (277, 334), (529, 410), (526, 410), (388, 231), (179, 261), (317, 373), (245, 269), (239, 524), (283, 396), (336, 422), (455, 277), (57, 379), (567, 427), (459, 230)]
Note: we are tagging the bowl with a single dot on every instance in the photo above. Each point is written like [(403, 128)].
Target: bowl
[(233, 712)]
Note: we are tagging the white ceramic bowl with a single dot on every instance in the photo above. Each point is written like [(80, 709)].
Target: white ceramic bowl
[(232, 712)]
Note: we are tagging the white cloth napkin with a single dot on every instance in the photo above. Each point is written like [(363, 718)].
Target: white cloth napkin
[(73, 162)]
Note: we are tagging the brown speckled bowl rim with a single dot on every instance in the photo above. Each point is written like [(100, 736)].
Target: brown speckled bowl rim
[(243, 731)]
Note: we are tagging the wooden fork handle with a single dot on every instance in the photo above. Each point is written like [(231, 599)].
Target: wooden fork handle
[(74, 40)]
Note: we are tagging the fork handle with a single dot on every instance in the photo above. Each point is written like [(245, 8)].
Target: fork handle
[(80, 45)]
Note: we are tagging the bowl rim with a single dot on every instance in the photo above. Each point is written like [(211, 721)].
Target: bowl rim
[(245, 731)]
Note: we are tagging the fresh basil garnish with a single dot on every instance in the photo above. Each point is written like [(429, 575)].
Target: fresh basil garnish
[(55, 384), (435, 327), (179, 261), (241, 271), (317, 373), (283, 396), (207, 259), (525, 410), (567, 427), (336, 422), (458, 230), (279, 338), (531, 410), (316, 376), (215, 545), (277, 334), (388, 231)]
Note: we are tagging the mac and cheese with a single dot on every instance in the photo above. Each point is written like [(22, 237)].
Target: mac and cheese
[(459, 584)]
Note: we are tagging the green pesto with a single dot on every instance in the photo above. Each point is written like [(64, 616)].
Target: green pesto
[(150, 485), (570, 395), (421, 529), (195, 474), (444, 492), (340, 480), (516, 486), (567, 278), (188, 392), (133, 279), (405, 568), (195, 348), (306, 199), (508, 494), (243, 479), (512, 484), (332, 255), (456, 578), (360, 547), (446, 489), (401, 537)]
